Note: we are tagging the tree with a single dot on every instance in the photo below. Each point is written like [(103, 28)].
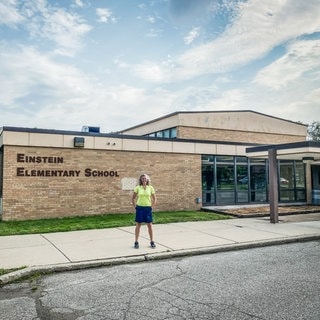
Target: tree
[(314, 131)]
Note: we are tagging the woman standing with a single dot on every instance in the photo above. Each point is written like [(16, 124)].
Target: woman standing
[(143, 200)]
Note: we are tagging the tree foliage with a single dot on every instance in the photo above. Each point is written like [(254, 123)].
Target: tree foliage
[(314, 131)]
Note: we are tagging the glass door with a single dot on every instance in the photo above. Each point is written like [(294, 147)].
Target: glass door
[(242, 189), (258, 181), (225, 181), (208, 189)]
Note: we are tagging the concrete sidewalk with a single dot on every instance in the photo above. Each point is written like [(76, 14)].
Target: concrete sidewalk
[(92, 248)]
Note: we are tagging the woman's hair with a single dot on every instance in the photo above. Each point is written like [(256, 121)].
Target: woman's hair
[(140, 179)]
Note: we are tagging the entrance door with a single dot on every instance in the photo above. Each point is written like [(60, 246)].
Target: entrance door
[(258, 182), (225, 184), (315, 174), (208, 189)]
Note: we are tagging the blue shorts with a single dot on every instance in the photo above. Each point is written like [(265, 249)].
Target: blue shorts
[(143, 214)]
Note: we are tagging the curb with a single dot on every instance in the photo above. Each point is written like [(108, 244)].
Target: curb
[(257, 215), (42, 270)]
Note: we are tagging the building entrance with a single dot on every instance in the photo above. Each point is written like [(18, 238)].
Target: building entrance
[(229, 180)]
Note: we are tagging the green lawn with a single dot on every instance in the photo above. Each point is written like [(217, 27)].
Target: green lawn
[(99, 222)]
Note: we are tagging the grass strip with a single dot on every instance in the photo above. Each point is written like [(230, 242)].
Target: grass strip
[(5, 271), (99, 222)]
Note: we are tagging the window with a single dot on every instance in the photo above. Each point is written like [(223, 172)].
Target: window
[(228, 180), (292, 181), (159, 134), (173, 132), (167, 133), (224, 159)]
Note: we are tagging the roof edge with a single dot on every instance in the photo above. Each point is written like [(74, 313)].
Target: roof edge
[(293, 145), (208, 111), (119, 136)]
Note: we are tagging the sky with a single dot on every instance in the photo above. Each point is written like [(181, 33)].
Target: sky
[(114, 64)]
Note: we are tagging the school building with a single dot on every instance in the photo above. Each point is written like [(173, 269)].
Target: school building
[(194, 159)]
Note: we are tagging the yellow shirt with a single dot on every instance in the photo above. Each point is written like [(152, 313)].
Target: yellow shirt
[(144, 195)]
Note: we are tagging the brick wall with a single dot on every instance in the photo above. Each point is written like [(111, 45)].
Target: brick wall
[(31, 192), (235, 136), (1, 170)]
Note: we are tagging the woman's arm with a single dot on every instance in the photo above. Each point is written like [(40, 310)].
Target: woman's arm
[(134, 198), (153, 200)]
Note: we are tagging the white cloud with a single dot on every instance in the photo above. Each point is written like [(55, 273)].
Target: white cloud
[(63, 28), (256, 30), (251, 36), (39, 92), (301, 57), (105, 15), (152, 71), (229, 100), (25, 69), (9, 14), (151, 19), (40, 19), (119, 63), (192, 35), (79, 3), (153, 33), (212, 97)]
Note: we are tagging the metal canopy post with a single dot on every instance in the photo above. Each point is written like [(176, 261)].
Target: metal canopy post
[(273, 186)]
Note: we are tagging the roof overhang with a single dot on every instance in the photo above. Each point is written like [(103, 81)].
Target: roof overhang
[(304, 150)]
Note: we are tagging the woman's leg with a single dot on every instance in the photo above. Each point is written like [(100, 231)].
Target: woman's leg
[(150, 230), (137, 231)]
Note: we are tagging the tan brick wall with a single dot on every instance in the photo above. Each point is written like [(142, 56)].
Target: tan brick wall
[(1, 170), (175, 177), (235, 136)]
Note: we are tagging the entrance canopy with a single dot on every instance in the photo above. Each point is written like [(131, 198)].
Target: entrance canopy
[(307, 151), (304, 150)]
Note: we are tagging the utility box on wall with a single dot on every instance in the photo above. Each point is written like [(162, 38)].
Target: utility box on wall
[(90, 129), (78, 142)]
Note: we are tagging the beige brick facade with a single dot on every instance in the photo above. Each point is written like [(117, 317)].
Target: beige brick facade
[(30, 191), (232, 126), (236, 136)]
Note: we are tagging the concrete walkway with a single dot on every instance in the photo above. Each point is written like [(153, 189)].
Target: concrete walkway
[(92, 248)]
